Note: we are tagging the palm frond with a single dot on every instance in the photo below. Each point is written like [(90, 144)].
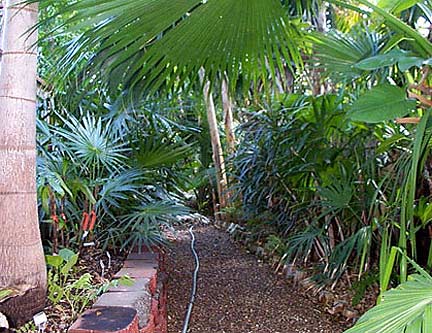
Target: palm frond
[(92, 143), (396, 6), (147, 43), (119, 189), (338, 53), (420, 44), (301, 244), (337, 195), (142, 226), (154, 153), (358, 244), (156, 212), (408, 308)]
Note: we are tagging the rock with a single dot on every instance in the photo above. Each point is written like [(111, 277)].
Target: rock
[(299, 277), (338, 307), (231, 228), (350, 313), (260, 252), (326, 297), (3, 321), (193, 218), (252, 247), (289, 270)]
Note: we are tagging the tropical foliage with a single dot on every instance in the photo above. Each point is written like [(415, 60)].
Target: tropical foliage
[(142, 51), (118, 174), (332, 105), (339, 188)]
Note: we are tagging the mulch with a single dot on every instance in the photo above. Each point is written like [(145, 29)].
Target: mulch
[(237, 293)]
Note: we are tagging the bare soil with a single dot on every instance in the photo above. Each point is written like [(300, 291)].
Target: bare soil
[(237, 293)]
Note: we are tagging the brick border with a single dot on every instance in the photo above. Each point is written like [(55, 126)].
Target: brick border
[(141, 308)]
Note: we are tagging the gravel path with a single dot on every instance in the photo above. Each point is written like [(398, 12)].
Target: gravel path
[(236, 293)]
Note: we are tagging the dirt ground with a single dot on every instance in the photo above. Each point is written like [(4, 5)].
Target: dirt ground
[(236, 292)]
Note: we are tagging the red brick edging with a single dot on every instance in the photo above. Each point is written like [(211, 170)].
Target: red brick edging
[(141, 308)]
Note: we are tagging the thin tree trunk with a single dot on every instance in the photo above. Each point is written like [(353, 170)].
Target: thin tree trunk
[(22, 264), (228, 117), (318, 86), (218, 158)]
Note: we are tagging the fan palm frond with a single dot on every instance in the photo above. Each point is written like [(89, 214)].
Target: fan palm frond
[(120, 188), (91, 142), (148, 43), (408, 308), (359, 244), (142, 226), (421, 45), (338, 53), (156, 212), (396, 6)]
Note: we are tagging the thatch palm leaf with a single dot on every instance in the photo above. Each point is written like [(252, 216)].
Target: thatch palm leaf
[(338, 53), (419, 44), (149, 43), (408, 308)]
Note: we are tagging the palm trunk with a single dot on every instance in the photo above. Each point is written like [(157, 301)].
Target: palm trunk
[(22, 264), (218, 158), (228, 117)]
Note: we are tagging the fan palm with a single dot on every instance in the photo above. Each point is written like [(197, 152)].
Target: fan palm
[(93, 143), (407, 308), (338, 53), (148, 43)]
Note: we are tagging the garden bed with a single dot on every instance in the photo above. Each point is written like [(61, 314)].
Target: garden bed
[(102, 267), (138, 307)]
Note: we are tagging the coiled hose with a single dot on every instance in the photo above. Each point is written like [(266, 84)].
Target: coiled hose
[(194, 283)]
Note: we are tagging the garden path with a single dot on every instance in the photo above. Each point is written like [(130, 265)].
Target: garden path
[(236, 292)]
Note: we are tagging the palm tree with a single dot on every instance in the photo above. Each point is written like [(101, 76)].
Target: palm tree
[(218, 158), (22, 264)]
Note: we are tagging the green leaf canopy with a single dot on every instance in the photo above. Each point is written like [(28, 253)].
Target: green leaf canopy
[(381, 103), (147, 44)]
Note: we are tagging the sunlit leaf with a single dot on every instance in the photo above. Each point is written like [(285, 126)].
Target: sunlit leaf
[(396, 6), (54, 261), (404, 309)]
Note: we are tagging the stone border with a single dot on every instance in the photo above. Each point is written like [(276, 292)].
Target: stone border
[(140, 308)]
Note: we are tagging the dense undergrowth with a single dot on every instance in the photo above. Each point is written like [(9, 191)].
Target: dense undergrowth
[(315, 180), (331, 164), (114, 174)]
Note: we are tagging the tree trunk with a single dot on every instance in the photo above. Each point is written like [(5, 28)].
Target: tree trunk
[(22, 264), (218, 158), (228, 117), (318, 86)]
